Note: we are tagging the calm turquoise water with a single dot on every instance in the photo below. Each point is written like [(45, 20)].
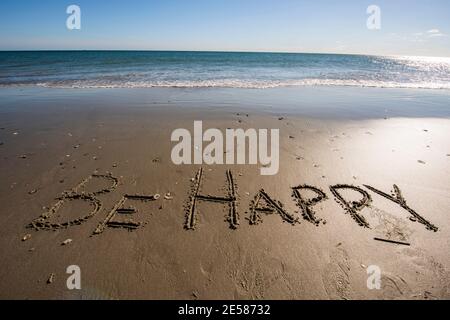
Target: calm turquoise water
[(134, 69)]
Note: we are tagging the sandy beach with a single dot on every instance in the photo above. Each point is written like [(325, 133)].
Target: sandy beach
[(111, 147)]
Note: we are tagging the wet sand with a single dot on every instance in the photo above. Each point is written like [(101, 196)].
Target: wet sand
[(110, 149)]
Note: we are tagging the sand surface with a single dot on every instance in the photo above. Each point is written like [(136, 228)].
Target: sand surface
[(52, 142)]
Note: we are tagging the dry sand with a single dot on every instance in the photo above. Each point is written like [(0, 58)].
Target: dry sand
[(52, 144)]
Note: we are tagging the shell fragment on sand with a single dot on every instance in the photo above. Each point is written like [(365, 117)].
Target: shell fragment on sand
[(26, 237), (168, 196), (66, 242), (51, 278)]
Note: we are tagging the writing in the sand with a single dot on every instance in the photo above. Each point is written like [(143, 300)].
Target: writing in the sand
[(122, 213)]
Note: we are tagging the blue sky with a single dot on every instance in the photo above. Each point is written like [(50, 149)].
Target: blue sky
[(408, 27)]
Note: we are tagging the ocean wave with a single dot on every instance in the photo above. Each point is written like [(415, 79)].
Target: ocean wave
[(219, 70), (238, 83)]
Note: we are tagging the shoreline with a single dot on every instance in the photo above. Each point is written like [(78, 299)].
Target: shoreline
[(330, 103)]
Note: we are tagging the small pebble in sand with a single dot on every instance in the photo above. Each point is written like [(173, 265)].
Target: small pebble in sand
[(51, 278), (23, 156), (94, 158), (448, 154), (26, 237), (281, 118), (114, 165), (168, 196), (32, 191), (156, 196), (421, 161), (66, 242), (291, 137), (15, 133)]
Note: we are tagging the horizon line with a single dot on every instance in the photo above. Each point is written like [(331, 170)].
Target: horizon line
[(214, 51)]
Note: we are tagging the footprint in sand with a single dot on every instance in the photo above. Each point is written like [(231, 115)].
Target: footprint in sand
[(429, 278), (394, 287), (336, 275), (433, 277), (254, 276)]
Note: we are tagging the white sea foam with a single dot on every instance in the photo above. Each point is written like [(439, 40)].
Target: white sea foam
[(244, 84), (221, 70)]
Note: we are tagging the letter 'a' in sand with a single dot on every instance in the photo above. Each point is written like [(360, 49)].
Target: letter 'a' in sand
[(263, 203)]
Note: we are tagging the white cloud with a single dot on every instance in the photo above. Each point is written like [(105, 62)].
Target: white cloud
[(433, 35)]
